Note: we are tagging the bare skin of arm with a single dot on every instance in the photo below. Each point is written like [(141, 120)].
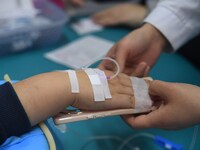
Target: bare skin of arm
[(47, 94)]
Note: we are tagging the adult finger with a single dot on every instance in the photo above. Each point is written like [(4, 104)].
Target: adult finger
[(107, 64), (160, 89), (152, 120), (140, 70)]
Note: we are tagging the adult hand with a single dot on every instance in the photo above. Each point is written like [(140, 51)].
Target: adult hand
[(179, 107), (125, 14), (138, 51)]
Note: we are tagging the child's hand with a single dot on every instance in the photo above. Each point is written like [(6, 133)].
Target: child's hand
[(120, 88)]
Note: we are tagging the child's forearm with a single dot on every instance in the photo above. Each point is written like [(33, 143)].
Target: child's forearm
[(46, 94)]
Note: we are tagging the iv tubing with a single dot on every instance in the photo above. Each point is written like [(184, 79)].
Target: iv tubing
[(115, 62)]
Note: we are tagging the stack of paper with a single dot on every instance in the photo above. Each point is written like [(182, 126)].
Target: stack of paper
[(81, 53)]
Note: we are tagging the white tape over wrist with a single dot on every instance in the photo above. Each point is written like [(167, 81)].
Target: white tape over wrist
[(73, 81), (96, 85), (104, 82), (141, 94)]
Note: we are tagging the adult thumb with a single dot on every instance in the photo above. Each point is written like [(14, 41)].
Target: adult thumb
[(159, 89)]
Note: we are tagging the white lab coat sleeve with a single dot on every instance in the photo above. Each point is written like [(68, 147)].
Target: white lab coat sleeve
[(177, 20)]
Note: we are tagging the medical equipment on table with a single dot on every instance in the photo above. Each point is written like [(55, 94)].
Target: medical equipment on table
[(24, 28)]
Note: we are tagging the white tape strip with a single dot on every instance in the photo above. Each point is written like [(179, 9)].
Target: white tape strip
[(94, 79), (96, 85), (104, 82), (73, 81), (142, 98)]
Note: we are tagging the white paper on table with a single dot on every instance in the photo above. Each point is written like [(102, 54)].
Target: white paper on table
[(81, 53), (86, 25)]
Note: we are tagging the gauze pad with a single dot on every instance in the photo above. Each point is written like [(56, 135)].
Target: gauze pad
[(141, 94)]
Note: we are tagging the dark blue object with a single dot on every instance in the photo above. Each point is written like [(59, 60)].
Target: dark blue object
[(167, 144)]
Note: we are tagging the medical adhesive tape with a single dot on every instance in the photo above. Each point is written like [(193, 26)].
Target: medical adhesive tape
[(142, 98), (104, 82), (73, 81), (96, 84), (114, 61)]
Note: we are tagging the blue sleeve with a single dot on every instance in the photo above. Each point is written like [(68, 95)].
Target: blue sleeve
[(13, 118)]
